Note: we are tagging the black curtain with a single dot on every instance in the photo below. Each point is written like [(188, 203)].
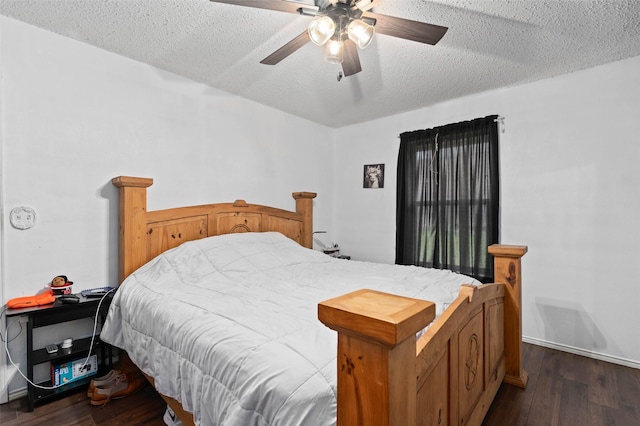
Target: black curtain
[(448, 197)]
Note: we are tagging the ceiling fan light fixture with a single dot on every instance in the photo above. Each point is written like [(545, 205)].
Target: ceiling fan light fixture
[(360, 33), (333, 51), (321, 29)]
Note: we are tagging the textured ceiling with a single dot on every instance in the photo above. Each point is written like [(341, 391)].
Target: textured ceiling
[(490, 44)]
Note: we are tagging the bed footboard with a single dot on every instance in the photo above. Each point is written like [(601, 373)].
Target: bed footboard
[(447, 377)]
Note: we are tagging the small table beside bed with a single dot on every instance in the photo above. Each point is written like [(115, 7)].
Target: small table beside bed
[(235, 320)]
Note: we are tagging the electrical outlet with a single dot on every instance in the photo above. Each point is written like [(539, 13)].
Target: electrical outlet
[(22, 217), (23, 319)]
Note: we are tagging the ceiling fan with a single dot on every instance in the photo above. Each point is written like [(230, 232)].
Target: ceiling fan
[(343, 26)]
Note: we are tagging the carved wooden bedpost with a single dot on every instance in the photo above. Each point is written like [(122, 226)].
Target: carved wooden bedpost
[(508, 270), (304, 206), (133, 225), (376, 338)]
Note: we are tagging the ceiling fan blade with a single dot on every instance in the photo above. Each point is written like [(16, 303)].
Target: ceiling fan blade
[(407, 29), (370, 5), (287, 49), (279, 5), (350, 59)]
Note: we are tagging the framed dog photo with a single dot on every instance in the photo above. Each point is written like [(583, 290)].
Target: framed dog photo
[(373, 176)]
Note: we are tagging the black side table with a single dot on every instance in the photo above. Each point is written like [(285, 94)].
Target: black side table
[(58, 313)]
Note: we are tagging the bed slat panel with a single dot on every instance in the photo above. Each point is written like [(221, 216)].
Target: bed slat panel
[(495, 339), (162, 236), (231, 223), (433, 398), (471, 364), (290, 228)]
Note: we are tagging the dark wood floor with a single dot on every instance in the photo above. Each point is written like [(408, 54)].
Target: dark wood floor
[(566, 389), (144, 407), (563, 389)]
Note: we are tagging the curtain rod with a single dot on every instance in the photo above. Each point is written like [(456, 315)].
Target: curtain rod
[(500, 120)]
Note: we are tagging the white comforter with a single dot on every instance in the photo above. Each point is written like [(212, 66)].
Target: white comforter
[(228, 325)]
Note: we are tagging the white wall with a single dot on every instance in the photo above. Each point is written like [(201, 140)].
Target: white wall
[(75, 116), (3, 390), (570, 188)]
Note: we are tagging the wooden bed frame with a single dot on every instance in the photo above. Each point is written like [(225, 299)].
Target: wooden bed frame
[(386, 377)]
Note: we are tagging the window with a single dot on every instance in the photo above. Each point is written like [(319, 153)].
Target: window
[(448, 197)]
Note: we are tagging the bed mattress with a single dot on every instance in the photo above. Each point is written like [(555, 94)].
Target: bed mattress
[(228, 326)]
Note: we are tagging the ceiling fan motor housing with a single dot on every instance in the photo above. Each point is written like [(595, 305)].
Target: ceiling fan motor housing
[(342, 14)]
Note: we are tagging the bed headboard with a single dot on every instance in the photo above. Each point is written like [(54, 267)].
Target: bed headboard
[(145, 234)]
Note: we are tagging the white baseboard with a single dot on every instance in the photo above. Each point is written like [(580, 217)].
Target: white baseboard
[(583, 352), (17, 393)]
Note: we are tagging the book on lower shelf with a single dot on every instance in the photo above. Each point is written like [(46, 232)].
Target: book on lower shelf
[(71, 371)]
